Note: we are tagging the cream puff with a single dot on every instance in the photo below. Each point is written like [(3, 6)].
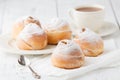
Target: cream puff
[(57, 30), (32, 37), (20, 24), (90, 42), (67, 55)]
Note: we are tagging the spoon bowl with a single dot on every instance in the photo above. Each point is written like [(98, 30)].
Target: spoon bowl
[(26, 62)]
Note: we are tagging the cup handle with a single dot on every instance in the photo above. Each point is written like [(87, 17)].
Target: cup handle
[(70, 13)]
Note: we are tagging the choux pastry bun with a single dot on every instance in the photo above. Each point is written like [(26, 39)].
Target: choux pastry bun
[(91, 43), (67, 55), (32, 37), (57, 30), (20, 24)]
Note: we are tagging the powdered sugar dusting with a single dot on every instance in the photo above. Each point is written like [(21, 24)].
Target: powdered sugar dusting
[(26, 17), (66, 47), (56, 23), (88, 36), (29, 30)]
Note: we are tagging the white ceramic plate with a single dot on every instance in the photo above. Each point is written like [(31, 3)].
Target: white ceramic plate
[(8, 45), (107, 29)]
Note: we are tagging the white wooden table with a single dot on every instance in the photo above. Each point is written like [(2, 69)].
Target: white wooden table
[(10, 10)]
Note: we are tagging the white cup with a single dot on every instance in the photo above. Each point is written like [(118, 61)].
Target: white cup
[(92, 19)]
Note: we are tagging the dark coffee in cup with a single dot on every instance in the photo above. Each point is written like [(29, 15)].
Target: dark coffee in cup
[(88, 9)]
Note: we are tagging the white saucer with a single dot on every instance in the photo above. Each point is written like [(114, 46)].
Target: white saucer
[(8, 45), (107, 29)]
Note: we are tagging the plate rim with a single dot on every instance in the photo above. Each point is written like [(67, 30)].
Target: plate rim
[(22, 52), (102, 35), (113, 30)]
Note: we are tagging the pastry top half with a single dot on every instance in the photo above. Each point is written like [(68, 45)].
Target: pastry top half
[(91, 43), (57, 24), (57, 29), (19, 24), (68, 47), (28, 19), (30, 30), (32, 37)]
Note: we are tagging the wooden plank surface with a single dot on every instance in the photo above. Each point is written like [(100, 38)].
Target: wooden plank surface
[(42, 9), (116, 6), (2, 9)]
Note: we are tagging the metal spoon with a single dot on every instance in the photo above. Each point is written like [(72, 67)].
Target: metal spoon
[(26, 62)]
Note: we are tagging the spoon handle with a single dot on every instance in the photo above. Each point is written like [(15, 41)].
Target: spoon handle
[(35, 74)]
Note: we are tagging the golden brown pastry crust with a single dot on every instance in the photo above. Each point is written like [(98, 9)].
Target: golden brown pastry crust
[(69, 60), (92, 45), (36, 42), (55, 36), (90, 49), (30, 19), (19, 25), (58, 32)]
